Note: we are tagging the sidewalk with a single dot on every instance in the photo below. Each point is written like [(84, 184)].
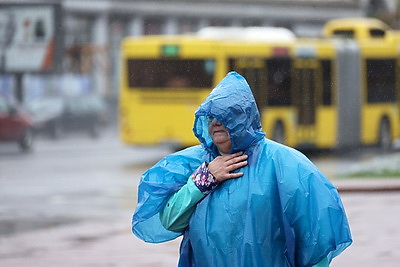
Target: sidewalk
[(111, 243)]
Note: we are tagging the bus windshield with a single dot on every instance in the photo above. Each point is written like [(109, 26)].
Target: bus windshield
[(170, 73)]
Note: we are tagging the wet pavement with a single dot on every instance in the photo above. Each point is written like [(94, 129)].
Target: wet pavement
[(374, 224), (70, 204), (373, 219)]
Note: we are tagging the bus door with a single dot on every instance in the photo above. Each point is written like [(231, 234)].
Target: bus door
[(254, 71), (305, 99)]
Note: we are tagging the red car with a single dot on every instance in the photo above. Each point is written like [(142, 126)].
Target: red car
[(15, 125)]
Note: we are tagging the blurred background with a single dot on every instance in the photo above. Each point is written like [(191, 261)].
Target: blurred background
[(93, 92)]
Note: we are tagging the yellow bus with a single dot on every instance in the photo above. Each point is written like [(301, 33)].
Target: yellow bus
[(337, 91), (165, 78), (347, 87)]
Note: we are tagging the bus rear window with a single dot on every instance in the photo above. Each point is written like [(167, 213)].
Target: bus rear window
[(170, 73)]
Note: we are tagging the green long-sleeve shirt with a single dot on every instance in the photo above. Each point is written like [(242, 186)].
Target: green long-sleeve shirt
[(180, 206)]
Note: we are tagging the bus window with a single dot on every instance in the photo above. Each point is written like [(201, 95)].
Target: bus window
[(327, 82), (381, 80), (254, 72), (344, 33), (305, 95), (170, 73), (377, 33), (256, 82), (279, 82)]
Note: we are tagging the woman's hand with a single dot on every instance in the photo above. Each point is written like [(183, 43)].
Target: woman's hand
[(223, 166)]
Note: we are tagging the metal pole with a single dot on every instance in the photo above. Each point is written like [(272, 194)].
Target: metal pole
[(19, 90)]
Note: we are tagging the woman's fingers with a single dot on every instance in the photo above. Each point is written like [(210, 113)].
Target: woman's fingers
[(231, 156), (237, 159), (235, 175), (238, 165)]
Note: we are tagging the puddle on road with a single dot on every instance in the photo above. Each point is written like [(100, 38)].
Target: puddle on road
[(20, 225), (83, 239)]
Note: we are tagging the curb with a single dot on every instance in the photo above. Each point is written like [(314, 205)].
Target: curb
[(367, 185), (368, 189)]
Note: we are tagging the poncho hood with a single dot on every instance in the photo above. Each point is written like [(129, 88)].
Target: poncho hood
[(232, 103)]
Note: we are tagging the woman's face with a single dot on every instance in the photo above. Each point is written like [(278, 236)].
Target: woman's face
[(219, 135)]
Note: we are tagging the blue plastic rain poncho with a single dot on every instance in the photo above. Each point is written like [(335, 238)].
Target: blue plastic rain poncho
[(281, 212)]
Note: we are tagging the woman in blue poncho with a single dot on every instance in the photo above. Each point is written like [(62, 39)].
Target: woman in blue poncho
[(240, 199)]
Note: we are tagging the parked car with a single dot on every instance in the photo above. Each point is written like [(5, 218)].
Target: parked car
[(57, 116), (15, 125)]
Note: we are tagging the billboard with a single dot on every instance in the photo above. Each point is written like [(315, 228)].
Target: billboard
[(30, 38)]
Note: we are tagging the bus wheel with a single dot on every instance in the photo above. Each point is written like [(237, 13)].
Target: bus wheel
[(278, 134), (385, 137)]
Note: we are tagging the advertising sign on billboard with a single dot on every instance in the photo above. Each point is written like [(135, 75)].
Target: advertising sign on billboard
[(30, 38)]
